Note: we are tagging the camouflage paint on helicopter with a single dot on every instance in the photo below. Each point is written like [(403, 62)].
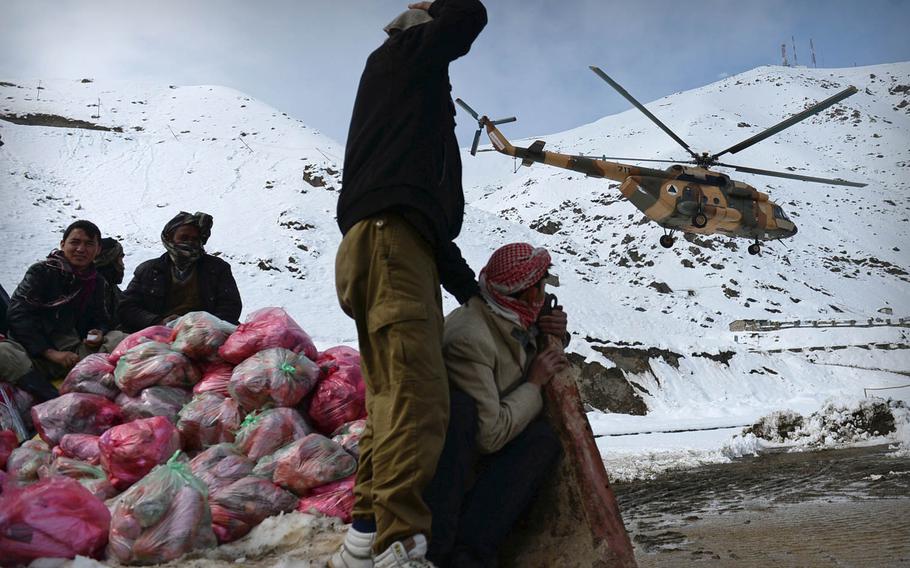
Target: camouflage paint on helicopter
[(681, 198)]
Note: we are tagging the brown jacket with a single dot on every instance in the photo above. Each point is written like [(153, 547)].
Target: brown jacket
[(485, 358)]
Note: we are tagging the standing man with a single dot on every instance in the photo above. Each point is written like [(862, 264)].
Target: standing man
[(400, 209)]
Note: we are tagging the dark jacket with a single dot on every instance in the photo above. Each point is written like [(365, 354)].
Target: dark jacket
[(144, 299), (401, 151), (33, 322), (112, 298)]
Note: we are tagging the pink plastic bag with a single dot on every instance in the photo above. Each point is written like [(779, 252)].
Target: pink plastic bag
[(161, 517), (340, 396), (131, 450), (265, 329), (198, 335), (82, 447), (8, 442), (54, 518), (16, 415), (89, 476), (160, 333), (154, 401), (208, 419), (74, 413), (25, 461), (242, 505), (262, 433), (215, 378), (348, 436), (220, 465), (310, 462), (153, 363), (272, 377), (334, 499), (94, 375)]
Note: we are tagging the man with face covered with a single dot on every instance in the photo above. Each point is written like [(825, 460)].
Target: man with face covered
[(184, 279), (109, 264)]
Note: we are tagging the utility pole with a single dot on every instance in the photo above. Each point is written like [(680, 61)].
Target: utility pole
[(812, 49), (97, 109), (795, 60), (38, 90)]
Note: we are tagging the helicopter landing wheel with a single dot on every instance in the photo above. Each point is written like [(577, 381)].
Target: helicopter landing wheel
[(754, 249), (666, 241), (700, 220)]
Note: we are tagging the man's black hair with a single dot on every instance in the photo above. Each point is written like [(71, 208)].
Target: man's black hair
[(90, 229)]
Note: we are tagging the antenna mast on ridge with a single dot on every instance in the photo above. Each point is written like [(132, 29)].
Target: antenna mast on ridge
[(795, 60), (812, 49), (783, 55)]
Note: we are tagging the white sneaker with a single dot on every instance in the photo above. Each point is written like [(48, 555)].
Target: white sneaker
[(408, 553), (356, 551)]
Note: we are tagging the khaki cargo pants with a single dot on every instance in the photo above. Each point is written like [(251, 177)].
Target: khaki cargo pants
[(386, 279)]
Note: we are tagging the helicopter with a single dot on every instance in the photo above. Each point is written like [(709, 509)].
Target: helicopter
[(687, 196)]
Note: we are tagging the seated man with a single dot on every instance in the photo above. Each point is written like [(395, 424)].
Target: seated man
[(182, 280), (109, 264), (56, 315), (497, 359)]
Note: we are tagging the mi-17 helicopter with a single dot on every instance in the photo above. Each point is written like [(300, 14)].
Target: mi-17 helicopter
[(682, 197)]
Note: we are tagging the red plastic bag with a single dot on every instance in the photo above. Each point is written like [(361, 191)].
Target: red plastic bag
[(340, 396), (54, 518), (131, 450), (348, 436), (8, 442), (334, 499), (265, 329), (215, 378), (91, 477), (262, 433), (310, 462), (160, 333), (93, 375), (275, 376), (208, 419), (161, 517), (220, 465), (154, 363), (25, 461), (242, 505), (154, 401), (74, 413), (82, 447), (198, 335)]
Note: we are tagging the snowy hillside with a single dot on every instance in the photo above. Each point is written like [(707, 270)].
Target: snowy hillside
[(271, 184)]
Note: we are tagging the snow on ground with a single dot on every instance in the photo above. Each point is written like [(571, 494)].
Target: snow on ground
[(272, 184)]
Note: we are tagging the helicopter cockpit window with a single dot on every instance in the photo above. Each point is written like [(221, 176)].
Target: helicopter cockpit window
[(672, 190), (779, 213)]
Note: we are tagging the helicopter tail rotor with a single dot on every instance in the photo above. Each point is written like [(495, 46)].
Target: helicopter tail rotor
[(481, 122)]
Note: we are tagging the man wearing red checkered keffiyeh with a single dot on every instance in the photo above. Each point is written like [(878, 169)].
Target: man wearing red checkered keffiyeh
[(514, 268)]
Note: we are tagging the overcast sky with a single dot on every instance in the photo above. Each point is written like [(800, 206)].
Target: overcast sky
[(305, 56)]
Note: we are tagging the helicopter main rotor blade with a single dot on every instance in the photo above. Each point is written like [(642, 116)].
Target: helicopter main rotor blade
[(475, 142), (503, 120), (625, 158), (642, 108), (465, 106), (812, 110), (772, 173)]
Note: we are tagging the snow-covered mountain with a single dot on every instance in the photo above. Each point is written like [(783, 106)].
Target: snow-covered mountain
[(129, 156)]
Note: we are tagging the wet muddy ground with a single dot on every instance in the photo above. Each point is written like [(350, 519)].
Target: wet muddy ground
[(846, 507)]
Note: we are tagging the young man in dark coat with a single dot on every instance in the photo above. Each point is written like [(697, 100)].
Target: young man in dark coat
[(56, 314), (400, 209), (109, 264), (182, 280)]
